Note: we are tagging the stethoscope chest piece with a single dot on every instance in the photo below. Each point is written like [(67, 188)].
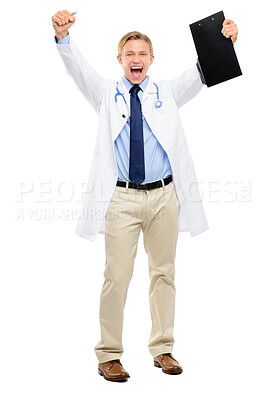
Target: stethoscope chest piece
[(158, 104)]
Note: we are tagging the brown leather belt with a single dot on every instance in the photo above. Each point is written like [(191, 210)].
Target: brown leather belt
[(146, 186)]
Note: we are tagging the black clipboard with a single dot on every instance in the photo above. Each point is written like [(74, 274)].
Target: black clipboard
[(216, 54)]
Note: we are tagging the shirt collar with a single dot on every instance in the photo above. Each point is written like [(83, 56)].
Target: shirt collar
[(128, 84)]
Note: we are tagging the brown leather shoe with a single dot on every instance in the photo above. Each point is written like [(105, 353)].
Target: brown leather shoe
[(168, 364), (113, 371)]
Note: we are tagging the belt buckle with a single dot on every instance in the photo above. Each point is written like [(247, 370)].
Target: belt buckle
[(145, 186), (140, 186)]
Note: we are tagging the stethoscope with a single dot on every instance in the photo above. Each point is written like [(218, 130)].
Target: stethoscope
[(158, 103)]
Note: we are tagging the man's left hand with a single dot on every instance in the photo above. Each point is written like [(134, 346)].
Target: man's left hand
[(230, 30)]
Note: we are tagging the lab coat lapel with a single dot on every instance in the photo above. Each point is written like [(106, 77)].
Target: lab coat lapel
[(149, 91), (149, 110), (123, 90), (118, 122)]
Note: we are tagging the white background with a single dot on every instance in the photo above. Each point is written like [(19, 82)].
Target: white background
[(51, 279)]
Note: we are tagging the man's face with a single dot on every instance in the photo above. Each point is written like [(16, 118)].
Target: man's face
[(135, 60)]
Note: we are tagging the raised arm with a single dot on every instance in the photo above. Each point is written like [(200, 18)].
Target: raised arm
[(186, 86), (86, 78)]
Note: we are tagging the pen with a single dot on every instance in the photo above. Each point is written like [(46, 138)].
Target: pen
[(75, 12)]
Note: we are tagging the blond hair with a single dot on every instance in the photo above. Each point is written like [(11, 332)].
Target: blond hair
[(135, 35)]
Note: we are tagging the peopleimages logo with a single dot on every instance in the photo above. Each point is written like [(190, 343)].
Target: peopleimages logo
[(62, 200)]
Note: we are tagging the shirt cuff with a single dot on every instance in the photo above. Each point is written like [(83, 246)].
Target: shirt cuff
[(200, 72), (66, 40)]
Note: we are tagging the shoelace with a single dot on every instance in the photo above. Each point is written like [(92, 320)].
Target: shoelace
[(112, 362)]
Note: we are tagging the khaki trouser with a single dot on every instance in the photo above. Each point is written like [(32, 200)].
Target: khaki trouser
[(156, 212)]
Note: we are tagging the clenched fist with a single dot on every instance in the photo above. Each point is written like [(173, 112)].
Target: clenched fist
[(64, 21)]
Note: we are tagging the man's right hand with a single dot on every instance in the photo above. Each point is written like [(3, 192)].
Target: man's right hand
[(64, 21)]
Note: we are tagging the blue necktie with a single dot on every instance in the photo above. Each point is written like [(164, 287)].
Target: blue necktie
[(137, 160)]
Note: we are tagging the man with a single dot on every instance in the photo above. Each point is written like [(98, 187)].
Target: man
[(142, 177)]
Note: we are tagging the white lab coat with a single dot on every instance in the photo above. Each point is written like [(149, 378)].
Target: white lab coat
[(165, 124)]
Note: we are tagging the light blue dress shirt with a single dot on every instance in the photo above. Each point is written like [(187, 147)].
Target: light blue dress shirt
[(66, 40), (157, 165)]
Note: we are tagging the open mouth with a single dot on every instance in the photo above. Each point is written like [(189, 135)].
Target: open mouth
[(136, 72)]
